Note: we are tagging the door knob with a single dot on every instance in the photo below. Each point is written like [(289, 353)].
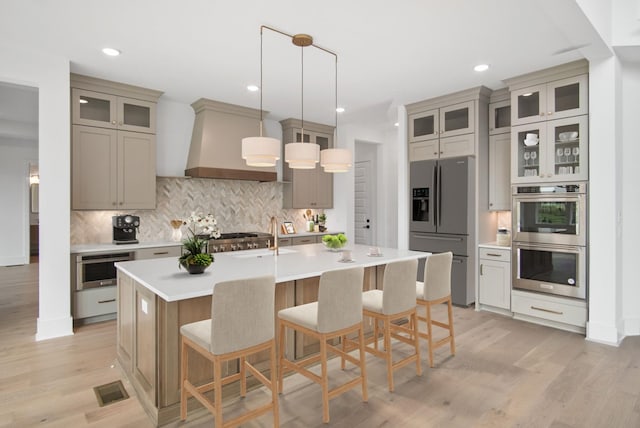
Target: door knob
[(366, 227)]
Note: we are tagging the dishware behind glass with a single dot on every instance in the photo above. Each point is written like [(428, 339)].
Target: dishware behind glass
[(576, 152), (534, 155), (559, 155), (527, 155), (567, 153)]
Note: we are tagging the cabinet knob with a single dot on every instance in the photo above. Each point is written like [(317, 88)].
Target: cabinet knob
[(435, 153), (113, 122), (121, 203), (441, 152), (490, 204), (549, 113), (113, 203)]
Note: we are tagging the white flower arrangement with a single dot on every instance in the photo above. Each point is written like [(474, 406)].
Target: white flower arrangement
[(203, 225)]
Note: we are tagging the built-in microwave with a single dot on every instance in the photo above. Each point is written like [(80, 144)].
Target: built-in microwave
[(550, 214), (551, 269), (94, 271)]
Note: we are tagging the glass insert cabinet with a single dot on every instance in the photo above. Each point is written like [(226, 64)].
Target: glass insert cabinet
[(554, 100), (442, 122), (558, 152)]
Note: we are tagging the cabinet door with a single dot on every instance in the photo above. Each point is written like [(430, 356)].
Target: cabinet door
[(424, 150), (136, 170), (499, 117), (568, 154), (460, 145), (304, 188), (499, 172), (528, 105), (495, 284), (528, 162), (94, 168), (93, 109), (324, 182), (457, 119), (423, 126), (568, 97), (136, 115)]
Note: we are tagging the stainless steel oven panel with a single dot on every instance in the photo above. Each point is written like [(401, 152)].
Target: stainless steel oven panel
[(579, 238), (104, 262), (578, 290)]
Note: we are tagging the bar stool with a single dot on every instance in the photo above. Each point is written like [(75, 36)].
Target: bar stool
[(241, 324), (337, 312), (395, 301), (436, 289)]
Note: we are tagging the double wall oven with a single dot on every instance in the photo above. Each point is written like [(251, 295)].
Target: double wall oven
[(549, 239)]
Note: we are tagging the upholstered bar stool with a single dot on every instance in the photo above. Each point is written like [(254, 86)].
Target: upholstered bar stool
[(436, 289), (395, 301), (241, 324), (337, 312)]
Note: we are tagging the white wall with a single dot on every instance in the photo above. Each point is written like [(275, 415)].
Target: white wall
[(630, 198), (50, 75), (15, 156)]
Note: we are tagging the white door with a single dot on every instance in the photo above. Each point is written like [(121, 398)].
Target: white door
[(363, 203)]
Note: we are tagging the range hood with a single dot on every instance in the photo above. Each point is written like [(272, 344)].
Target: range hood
[(216, 142)]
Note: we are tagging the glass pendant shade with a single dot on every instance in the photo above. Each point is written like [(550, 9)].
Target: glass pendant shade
[(260, 151), (301, 155), (336, 160)]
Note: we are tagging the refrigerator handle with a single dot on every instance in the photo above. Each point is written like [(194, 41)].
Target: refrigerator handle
[(439, 195), (435, 196)]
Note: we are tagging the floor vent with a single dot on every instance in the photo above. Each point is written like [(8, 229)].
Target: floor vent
[(110, 393)]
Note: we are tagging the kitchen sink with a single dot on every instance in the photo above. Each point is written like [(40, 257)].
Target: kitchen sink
[(262, 252)]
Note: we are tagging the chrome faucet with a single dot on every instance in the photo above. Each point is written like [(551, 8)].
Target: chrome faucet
[(274, 231)]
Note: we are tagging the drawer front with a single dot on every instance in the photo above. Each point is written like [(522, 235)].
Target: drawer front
[(301, 240), (550, 308), (495, 254), (284, 242), (95, 301), (157, 252), (439, 243)]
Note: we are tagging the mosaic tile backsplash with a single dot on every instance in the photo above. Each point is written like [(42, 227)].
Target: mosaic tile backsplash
[(239, 206)]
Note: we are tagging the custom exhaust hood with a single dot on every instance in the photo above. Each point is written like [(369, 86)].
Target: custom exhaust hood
[(216, 142)]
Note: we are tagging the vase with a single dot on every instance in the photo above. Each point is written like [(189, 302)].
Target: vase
[(176, 235), (196, 269)]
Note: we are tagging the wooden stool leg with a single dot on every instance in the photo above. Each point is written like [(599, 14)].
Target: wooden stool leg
[(376, 332), (243, 377), (184, 367), (416, 339), (217, 392), (343, 339), (281, 356), (274, 386), (387, 351), (452, 343), (325, 381), (429, 334), (363, 364)]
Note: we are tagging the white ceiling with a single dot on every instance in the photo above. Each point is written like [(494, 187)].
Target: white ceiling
[(389, 53)]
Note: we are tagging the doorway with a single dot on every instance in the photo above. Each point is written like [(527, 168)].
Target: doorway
[(365, 190)]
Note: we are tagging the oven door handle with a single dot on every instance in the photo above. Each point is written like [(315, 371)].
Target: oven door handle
[(552, 247)]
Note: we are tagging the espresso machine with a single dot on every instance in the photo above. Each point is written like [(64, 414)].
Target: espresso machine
[(125, 228)]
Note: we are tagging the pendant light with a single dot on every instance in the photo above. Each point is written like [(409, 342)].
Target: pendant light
[(261, 151), (336, 160), (301, 155)]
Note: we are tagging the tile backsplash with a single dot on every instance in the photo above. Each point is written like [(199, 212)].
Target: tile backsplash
[(239, 206)]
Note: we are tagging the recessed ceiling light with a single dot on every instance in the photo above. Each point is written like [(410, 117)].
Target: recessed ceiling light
[(83, 101), (252, 88), (111, 51), (396, 124), (528, 94), (481, 67), (340, 109)]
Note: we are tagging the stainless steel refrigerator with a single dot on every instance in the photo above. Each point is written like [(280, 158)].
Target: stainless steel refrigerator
[(442, 217)]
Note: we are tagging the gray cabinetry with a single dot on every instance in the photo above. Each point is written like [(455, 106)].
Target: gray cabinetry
[(307, 188), (494, 284), (113, 145), (499, 151)]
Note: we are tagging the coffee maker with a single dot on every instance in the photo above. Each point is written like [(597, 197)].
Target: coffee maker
[(125, 228)]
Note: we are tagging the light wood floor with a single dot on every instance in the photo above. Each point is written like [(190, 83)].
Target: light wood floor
[(506, 373)]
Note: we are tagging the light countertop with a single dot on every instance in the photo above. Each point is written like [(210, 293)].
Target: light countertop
[(293, 235), (108, 247), (163, 277)]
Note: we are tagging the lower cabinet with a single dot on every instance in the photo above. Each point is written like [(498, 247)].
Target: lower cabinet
[(554, 311), (95, 301), (158, 252), (494, 282)]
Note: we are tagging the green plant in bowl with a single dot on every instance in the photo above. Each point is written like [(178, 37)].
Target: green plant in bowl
[(334, 242)]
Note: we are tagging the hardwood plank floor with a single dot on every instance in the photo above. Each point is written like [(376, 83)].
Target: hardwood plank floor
[(506, 373)]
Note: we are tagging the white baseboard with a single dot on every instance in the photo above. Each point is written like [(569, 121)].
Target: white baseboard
[(52, 328), (604, 334), (632, 327)]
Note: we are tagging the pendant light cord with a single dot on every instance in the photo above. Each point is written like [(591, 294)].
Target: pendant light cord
[(336, 110), (261, 87), (302, 94)]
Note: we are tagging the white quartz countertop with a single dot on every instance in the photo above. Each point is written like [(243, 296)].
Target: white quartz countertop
[(299, 233), (163, 277), (495, 246), (108, 247)]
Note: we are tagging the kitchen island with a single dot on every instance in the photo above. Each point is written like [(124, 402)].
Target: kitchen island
[(155, 298)]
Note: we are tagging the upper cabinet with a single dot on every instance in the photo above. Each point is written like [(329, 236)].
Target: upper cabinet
[(307, 188), (446, 126), (499, 117), (550, 125), (113, 160), (109, 111), (554, 100), (499, 172)]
